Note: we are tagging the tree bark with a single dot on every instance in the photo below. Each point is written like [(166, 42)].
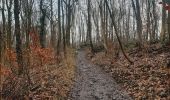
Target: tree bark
[(163, 29), (52, 26), (169, 21), (116, 32), (154, 26), (103, 29), (18, 37), (59, 28), (69, 12), (63, 30), (89, 26), (138, 22), (3, 32), (9, 32), (148, 30), (42, 27)]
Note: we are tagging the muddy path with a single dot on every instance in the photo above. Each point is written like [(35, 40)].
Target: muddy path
[(92, 83)]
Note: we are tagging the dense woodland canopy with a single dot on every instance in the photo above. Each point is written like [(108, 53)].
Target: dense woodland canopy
[(53, 27)]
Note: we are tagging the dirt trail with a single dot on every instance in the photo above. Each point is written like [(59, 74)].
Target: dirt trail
[(92, 83)]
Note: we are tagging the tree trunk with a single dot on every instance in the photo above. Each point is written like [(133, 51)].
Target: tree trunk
[(103, 31), (63, 30), (138, 22), (42, 28), (3, 32), (116, 32), (69, 12), (128, 25), (1, 45), (18, 37), (154, 26), (96, 22), (9, 32), (53, 33), (148, 31), (89, 27), (163, 29), (59, 28), (29, 21), (169, 21)]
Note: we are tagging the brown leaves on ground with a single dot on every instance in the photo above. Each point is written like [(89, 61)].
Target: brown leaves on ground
[(149, 76), (48, 80)]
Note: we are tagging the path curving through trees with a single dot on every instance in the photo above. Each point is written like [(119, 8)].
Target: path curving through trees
[(92, 83)]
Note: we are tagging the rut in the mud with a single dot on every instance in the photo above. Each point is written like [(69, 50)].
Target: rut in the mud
[(92, 83)]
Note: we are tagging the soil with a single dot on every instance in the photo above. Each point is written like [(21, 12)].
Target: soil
[(93, 83)]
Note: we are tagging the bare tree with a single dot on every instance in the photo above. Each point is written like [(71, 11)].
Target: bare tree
[(18, 37), (154, 22), (148, 31), (136, 8), (52, 26), (27, 6), (42, 26), (89, 26), (3, 32), (102, 8), (116, 32), (163, 29), (63, 29), (9, 31), (59, 27), (169, 21)]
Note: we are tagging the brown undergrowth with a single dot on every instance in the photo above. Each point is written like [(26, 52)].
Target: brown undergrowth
[(46, 80), (147, 79)]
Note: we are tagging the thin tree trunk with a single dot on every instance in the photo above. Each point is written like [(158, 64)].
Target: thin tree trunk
[(63, 30), (154, 26), (3, 32), (138, 22), (9, 32), (128, 25), (18, 38), (169, 21), (148, 20), (69, 12), (89, 27), (103, 31), (116, 32), (163, 29), (42, 28), (59, 28), (169, 24)]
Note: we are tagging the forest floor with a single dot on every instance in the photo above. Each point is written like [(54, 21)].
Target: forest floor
[(147, 79), (97, 77), (92, 83), (48, 79)]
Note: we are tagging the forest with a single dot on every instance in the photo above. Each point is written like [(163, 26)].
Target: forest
[(85, 49)]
